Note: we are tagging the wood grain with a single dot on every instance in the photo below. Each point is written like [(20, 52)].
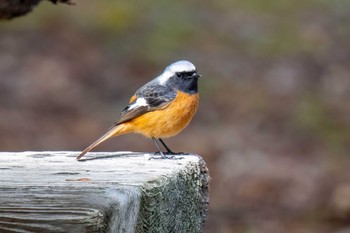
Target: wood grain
[(106, 192)]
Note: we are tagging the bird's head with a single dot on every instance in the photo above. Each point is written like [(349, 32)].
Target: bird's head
[(180, 75), (179, 71)]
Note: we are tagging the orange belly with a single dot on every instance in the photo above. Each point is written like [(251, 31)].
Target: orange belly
[(169, 121)]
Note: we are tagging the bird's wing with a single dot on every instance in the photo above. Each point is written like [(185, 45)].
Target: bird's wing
[(146, 99)]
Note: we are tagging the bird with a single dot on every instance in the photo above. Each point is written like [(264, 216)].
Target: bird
[(159, 109)]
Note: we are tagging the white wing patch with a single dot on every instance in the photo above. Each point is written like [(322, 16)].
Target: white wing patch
[(138, 103)]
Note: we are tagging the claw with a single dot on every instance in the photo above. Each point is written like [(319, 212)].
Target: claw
[(165, 156)]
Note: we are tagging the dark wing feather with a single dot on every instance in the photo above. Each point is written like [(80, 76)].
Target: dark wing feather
[(129, 115), (156, 96)]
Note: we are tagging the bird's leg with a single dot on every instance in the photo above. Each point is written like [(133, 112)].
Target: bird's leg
[(160, 151), (170, 151), (166, 147)]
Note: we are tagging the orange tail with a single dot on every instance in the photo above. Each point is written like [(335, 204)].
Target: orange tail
[(115, 131)]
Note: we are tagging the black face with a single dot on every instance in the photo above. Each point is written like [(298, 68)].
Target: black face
[(186, 81)]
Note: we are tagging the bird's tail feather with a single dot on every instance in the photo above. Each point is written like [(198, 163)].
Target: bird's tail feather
[(115, 131)]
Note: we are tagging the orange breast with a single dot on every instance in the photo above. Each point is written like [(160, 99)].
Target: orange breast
[(169, 121)]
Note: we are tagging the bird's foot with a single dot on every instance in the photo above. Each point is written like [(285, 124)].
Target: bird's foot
[(168, 155)]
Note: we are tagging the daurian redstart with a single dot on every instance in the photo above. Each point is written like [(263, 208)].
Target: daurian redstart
[(159, 109)]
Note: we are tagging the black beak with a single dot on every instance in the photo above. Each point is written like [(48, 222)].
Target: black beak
[(195, 75)]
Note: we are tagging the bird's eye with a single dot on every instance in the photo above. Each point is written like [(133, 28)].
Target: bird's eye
[(179, 75)]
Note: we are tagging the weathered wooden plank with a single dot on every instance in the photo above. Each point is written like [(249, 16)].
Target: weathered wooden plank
[(106, 192)]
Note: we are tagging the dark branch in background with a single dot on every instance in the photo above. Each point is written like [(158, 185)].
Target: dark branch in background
[(14, 8)]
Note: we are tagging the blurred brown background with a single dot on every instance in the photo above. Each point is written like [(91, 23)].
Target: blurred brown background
[(273, 123)]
